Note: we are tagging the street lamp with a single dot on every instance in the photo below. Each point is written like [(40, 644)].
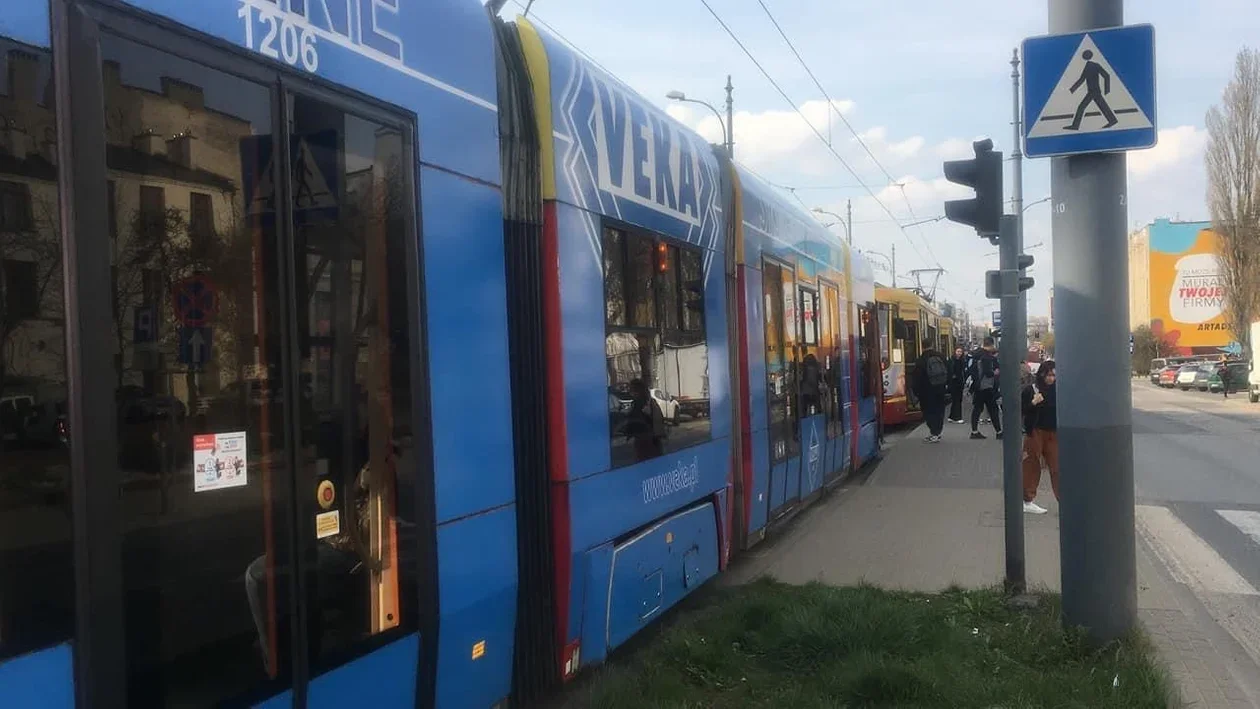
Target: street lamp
[(726, 131), (1026, 206), (891, 261), (848, 226)]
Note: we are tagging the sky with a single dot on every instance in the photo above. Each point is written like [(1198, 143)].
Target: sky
[(918, 81)]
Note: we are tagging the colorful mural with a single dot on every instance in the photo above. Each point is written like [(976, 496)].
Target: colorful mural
[(1187, 292)]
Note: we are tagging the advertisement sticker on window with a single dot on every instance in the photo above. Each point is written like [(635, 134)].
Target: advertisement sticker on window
[(219, 461)]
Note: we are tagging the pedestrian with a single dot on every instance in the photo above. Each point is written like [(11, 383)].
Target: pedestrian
[(1041, 437), (984, 388), (1223, 372), (931, 378), (957, 383)]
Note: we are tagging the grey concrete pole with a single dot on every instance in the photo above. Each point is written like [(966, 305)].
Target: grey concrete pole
[(1091, 287), (1010, 353)]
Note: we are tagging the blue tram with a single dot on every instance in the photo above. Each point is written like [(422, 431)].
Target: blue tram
[(381, 351)]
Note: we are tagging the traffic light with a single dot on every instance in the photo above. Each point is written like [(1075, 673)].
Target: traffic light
[(1025, 282), (993, 284), (1010, 282), (983, 173)]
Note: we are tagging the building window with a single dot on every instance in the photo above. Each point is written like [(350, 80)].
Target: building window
[(200, 219), (655, 348), (151, 220), (111, 208), (15, 206), (21, 290)]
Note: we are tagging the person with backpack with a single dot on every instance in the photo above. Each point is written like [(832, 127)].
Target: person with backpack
[(985, 390), (931, 377)]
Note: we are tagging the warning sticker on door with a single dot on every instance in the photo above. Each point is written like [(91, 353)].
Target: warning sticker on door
[(327, 524), (219, 461)]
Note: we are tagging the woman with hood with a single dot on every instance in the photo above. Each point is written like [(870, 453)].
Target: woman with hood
[(1041, 440)]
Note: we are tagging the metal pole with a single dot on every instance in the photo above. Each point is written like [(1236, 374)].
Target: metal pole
[(1095, 417), (1017, 155), (1010, 353), (730, 119), (849, 229), (894, 266), (1014, 346)]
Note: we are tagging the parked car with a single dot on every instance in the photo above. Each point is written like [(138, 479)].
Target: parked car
[(1158, 366), (1203, 375), (1186, 374), (1168, 376), (1237, 378), (14, 409)]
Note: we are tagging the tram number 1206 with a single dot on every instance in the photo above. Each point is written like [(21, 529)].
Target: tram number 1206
[(280, 38)]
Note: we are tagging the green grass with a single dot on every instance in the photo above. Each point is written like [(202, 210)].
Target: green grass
[(773, 645)]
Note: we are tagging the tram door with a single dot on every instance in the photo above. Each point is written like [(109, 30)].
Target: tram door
[(261, 236)]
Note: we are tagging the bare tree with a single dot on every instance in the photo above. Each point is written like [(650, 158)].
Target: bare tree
[(1233, 167), (36, 243)]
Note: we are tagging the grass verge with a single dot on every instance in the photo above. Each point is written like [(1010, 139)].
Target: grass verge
[(769, 644)]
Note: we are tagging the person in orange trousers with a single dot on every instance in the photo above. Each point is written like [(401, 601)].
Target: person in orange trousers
[(1041, 438)]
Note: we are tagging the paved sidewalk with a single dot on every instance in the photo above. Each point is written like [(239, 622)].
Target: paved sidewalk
[(930, 516)]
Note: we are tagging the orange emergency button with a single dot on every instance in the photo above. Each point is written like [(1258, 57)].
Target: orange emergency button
[(326, 494)]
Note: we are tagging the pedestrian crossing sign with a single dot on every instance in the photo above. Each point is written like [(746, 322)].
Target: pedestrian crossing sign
[(1090, 92)]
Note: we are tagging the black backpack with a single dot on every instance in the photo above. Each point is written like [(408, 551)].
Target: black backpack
[(937, 372)]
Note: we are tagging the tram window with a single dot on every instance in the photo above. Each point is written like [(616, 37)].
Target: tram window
[(657, 358), (831, 351), (809, 317), (200, 416), (692, 291), (777, 287), (354, 336), (36, 559), (868, 337)]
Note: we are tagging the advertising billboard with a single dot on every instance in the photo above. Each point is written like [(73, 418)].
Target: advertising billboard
[(1187, 291)]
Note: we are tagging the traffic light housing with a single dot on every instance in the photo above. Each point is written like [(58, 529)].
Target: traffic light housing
[(993, 284), (1025, 282), (1012, 282), (983, 173)]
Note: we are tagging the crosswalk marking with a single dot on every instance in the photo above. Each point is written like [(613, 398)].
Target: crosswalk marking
[(1247, 522), (1187, 557)]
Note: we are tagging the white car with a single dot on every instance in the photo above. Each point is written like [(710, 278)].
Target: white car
[(669, 405), (1185, 378)]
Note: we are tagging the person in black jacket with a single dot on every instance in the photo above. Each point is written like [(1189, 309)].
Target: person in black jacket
[(1041, 438), (957, 382), (985, 390), (931, 377)]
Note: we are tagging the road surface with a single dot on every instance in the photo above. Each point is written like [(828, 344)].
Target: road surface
[(1197, 478)]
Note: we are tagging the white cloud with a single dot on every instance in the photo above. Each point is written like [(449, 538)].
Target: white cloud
[(1177, 147)]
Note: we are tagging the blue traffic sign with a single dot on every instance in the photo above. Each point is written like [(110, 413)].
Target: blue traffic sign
[(997, 318), (194, 345), (144, 327), (1090, 92)]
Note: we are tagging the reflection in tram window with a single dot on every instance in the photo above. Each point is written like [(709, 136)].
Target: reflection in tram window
[(352, 222), (36, 576), (656, 352), (198, 379)]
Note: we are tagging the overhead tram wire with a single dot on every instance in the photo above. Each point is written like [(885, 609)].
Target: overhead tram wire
[(831, 107), (551, 28), (819, 135)]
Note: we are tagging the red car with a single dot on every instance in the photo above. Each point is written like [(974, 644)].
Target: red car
[(1168, 376)]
